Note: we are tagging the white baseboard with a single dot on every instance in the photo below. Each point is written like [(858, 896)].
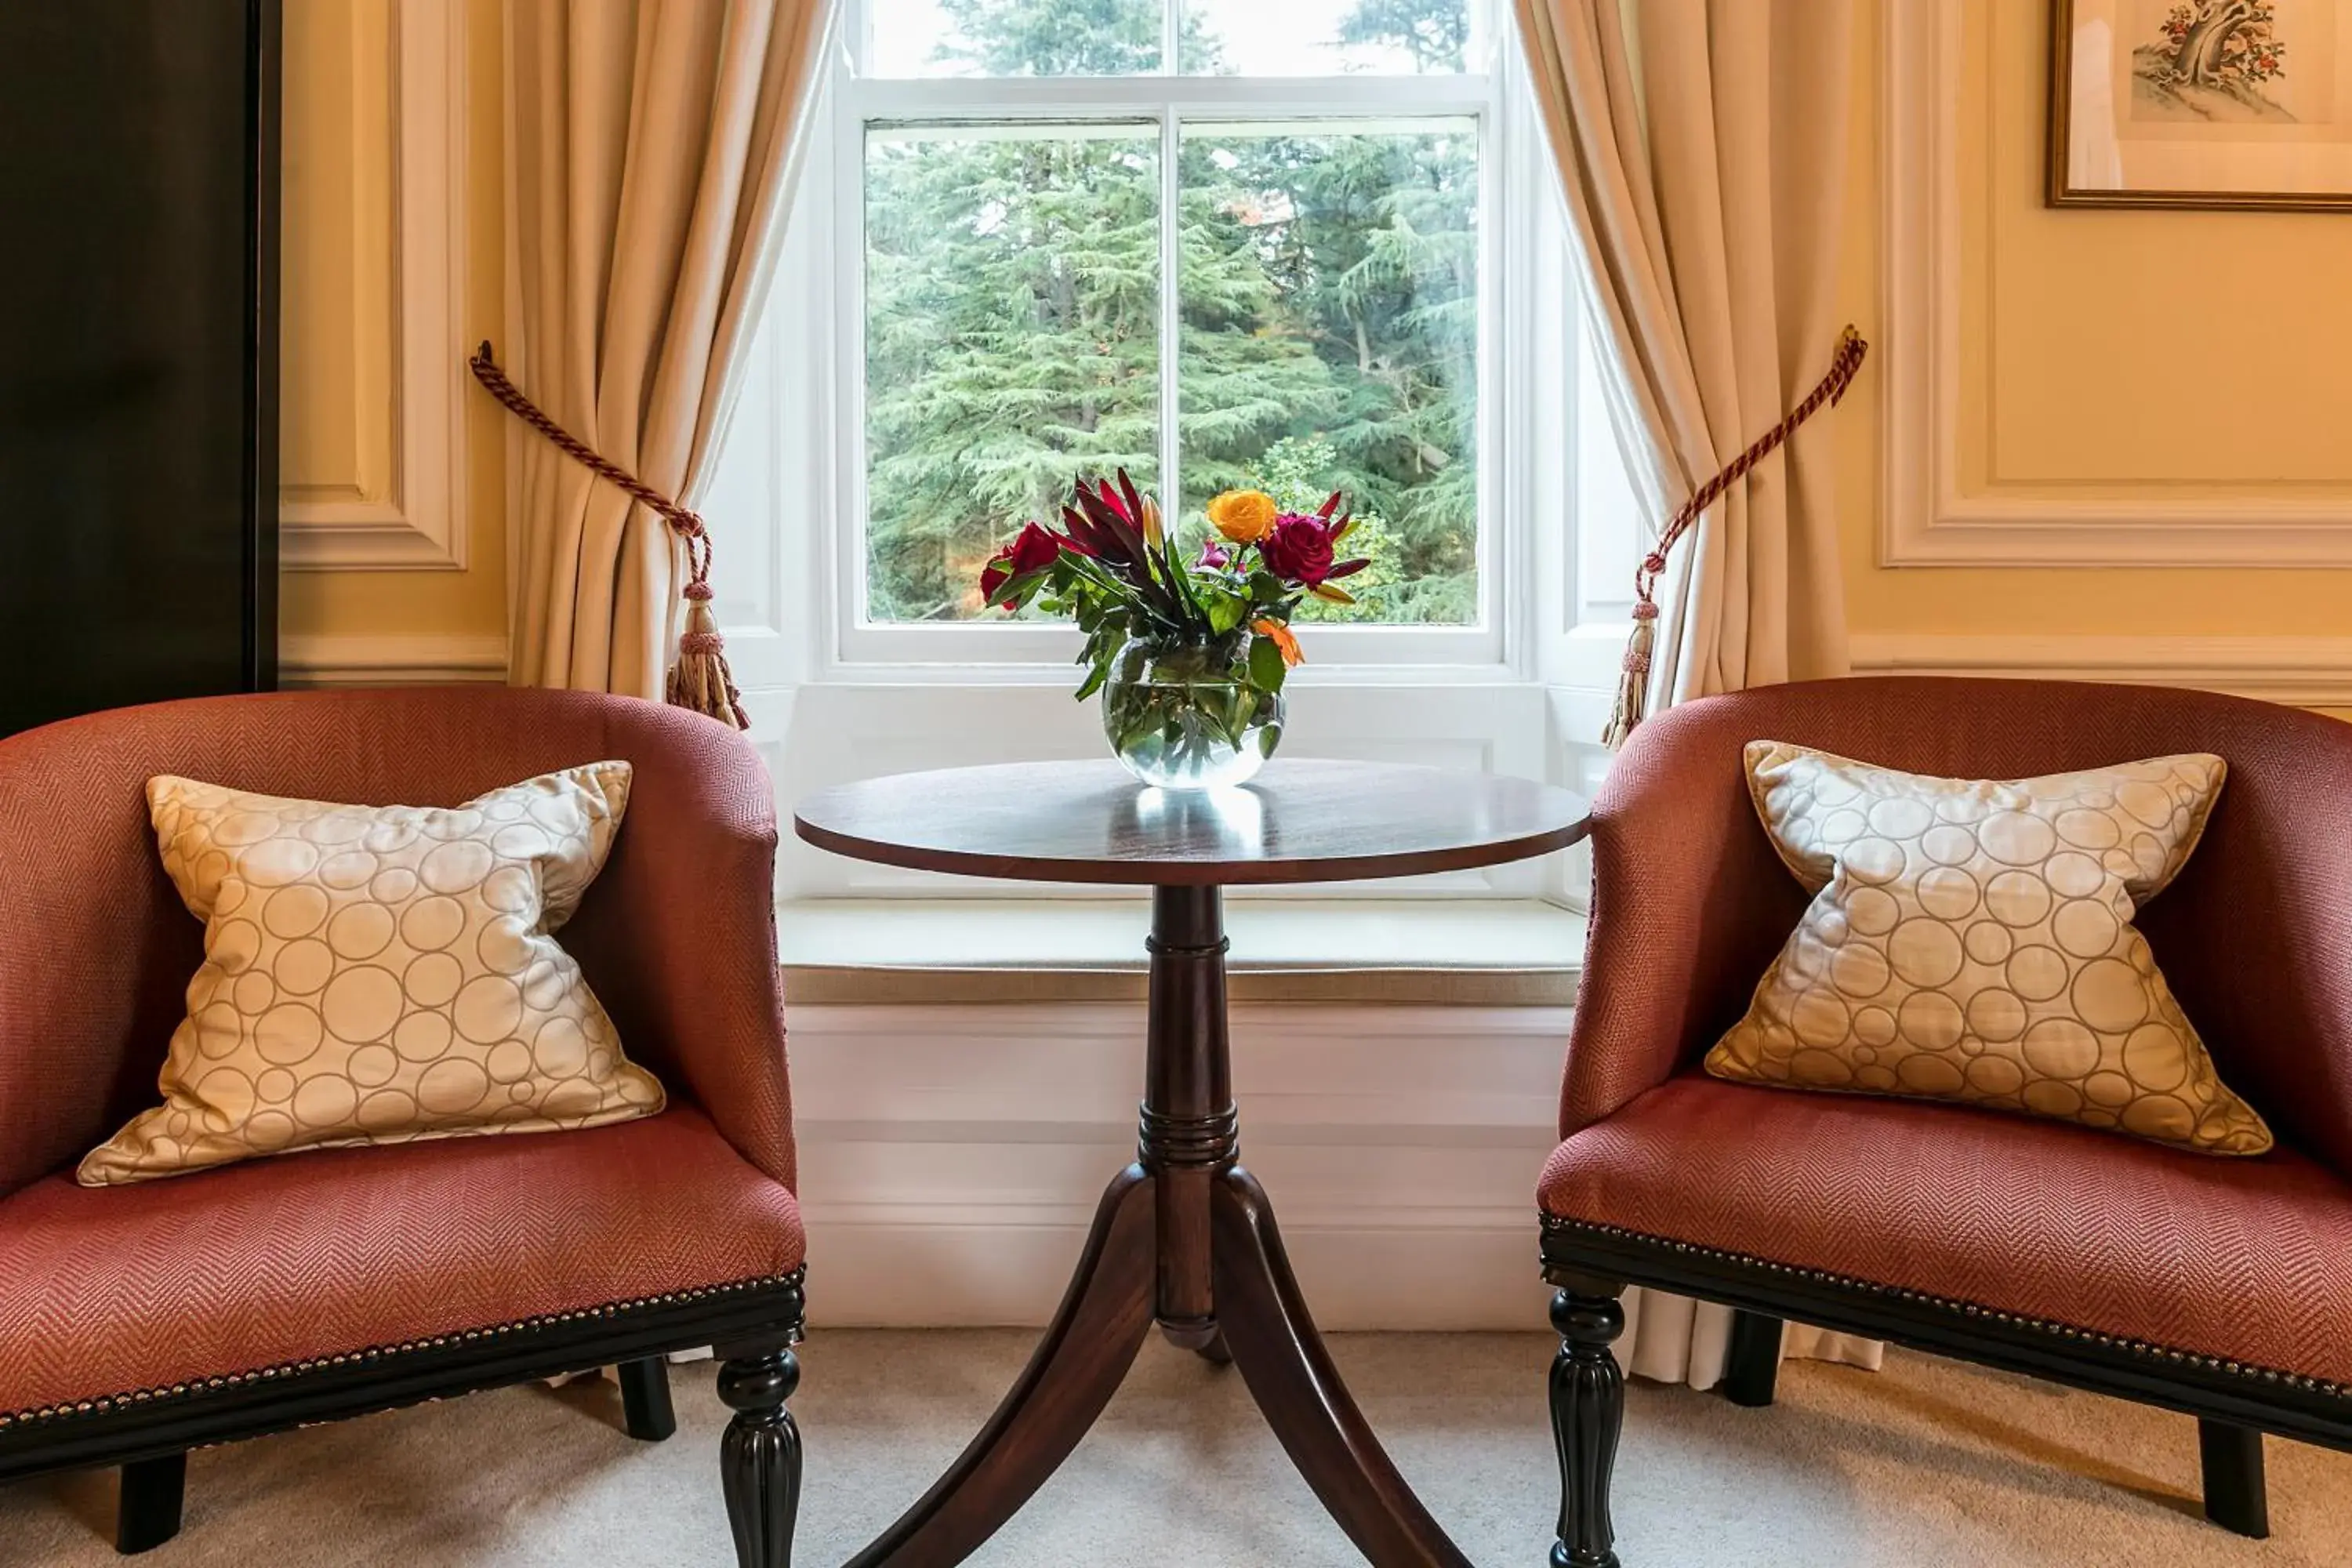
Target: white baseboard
[(2306, 672), (951, 1157), (389, 660)]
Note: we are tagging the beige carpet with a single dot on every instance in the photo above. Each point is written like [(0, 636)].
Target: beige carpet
[(1927, 1463)]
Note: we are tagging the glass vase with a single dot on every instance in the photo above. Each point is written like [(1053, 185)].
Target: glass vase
[(1186, 717)]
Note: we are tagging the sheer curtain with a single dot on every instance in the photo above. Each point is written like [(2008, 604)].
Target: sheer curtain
[(1701, 145), (651, 149)]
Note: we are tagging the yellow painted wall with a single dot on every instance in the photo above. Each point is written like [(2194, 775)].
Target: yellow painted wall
[(2116, 354), (336, 354), (2080, 371)]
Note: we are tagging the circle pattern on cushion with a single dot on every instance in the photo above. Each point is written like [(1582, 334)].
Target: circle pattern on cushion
[(1992, 922), (374, 975)]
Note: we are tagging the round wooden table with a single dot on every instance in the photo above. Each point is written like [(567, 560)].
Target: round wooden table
[(1184, 1236)]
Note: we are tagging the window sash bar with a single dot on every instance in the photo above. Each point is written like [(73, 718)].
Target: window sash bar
[(1148, 97), (1171, 304)]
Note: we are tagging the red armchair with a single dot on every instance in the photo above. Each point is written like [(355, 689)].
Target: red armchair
[(138, 1323), (2219, 1287)]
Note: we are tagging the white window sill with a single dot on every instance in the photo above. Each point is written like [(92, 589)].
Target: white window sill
[(1462, 951)]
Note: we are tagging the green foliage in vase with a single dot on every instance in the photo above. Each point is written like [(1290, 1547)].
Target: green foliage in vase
[(1189, 649)]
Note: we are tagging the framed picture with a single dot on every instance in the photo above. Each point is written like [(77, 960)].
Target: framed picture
[(2202, 103)]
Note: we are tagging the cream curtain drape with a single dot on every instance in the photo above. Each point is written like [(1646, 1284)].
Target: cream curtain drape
[(651, 148), (1701, 145)]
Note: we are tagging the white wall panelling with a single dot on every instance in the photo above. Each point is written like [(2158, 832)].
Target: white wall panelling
[(951, 1157)]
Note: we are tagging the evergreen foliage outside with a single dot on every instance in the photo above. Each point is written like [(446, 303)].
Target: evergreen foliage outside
[(1327, 309)]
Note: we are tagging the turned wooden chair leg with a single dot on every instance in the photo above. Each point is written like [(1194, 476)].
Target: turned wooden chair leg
[(646, 1408), (147, 1514), (1588, 1409), (760, 1456), (1752, 1368), (2236, 1498)]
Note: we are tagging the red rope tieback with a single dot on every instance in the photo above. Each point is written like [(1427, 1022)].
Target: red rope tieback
[(699, 680), (1633, 688)]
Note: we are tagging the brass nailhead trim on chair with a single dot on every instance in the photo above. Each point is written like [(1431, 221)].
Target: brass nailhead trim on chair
[(1554, 1225), (374, 1353)]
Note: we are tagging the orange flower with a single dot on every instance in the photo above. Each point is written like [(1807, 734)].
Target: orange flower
[(1242, 516), (1282, 637)]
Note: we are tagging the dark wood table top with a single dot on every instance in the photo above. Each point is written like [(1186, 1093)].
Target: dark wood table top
[(1092, 822)]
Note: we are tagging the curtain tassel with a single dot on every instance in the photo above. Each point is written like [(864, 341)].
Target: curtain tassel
[(699, 680), (1634, 685)]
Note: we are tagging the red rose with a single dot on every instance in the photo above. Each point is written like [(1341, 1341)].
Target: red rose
[(1033, 551), (1299, 548)]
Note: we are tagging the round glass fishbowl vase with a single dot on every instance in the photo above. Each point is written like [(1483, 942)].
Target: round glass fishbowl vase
[(1186, 717)]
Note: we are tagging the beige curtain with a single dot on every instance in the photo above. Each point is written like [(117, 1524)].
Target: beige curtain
[(1702, 152), (651, 149)]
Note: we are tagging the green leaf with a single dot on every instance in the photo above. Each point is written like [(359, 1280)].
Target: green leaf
[(1265, 667), (1225, 611)]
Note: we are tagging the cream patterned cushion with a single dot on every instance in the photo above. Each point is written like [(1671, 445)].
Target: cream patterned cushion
[(1972, 940), (374, 975)]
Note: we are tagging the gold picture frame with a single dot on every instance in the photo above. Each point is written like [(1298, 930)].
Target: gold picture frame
[(2241, 104)]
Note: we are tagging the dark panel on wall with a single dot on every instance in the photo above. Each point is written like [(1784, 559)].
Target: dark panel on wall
[(139, 151)]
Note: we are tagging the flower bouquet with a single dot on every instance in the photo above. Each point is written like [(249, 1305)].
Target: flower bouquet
[(1190, 655)]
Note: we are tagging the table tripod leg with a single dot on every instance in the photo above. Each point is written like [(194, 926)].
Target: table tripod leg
[(1290, 1375), (1076, 1368)]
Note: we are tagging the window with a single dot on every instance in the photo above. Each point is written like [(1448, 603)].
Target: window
[(1267, 270), (1303, 245)]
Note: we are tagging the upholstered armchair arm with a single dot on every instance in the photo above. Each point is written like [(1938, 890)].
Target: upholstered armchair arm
[(1688, 907), (678, 935)]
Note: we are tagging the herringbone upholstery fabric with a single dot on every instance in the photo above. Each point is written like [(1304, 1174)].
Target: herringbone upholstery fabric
[(2247, 1259), (2250, 1260), (105, 1290), (1690, 904), (677, 937), (110, 1289)]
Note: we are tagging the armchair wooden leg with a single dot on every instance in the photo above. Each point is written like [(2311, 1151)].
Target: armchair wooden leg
[(147, 1514), (760, 1456), (646, 1408), (2236, 1498), (1588, 1409), (1752, 1369)]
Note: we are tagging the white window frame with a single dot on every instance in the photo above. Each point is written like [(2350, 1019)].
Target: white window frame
[(1523, 694), (1163, 106)]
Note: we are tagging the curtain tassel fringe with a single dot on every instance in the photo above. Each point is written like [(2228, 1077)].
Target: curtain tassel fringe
[(700, 680), (1633, 703)]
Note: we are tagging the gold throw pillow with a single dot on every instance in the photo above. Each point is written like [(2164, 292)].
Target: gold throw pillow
[(1971, 940), (374, 975)]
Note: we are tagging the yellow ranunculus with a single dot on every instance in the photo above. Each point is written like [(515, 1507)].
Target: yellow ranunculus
[(1243, 516)]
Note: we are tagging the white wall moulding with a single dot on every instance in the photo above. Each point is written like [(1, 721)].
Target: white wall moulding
[(1926, 520), (398, 501), (950, 1158), (389, 661), (2306, 672)]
